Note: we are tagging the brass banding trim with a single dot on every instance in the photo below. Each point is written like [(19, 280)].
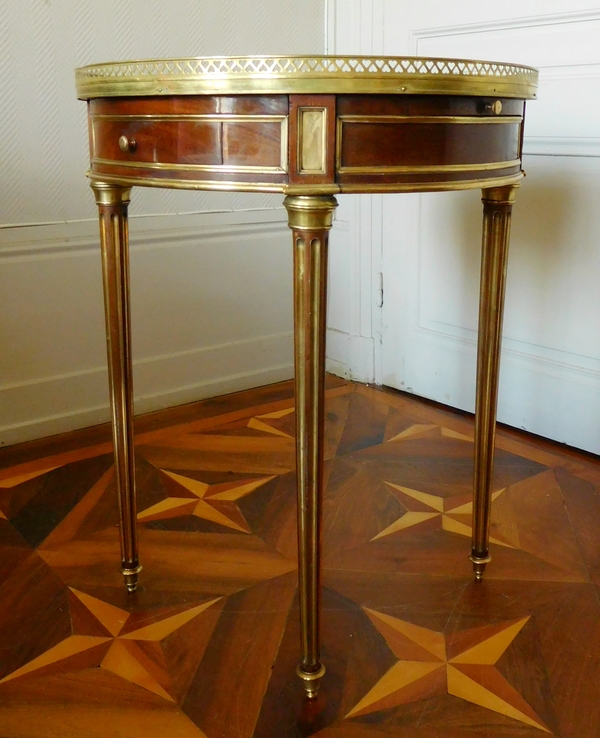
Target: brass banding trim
[(311, 189), (425, 168), (325, 85), (306, 75), (189, 167), (212, 117), (460, 119), (463, 184), (191, 184), (298, 189)]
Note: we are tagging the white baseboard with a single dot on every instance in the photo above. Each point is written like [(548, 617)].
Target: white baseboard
[(537, 393), (228, 327), (351, 357), (59, 404)]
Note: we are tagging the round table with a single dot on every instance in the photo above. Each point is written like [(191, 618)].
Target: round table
[(308, 127)]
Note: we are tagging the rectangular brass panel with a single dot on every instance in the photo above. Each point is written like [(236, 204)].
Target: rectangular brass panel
[(312, 139), (312, 142)]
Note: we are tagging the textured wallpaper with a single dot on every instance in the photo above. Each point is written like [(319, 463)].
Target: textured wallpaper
[(43, 132)]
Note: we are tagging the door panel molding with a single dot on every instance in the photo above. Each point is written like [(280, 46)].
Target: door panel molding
[(550, 376)]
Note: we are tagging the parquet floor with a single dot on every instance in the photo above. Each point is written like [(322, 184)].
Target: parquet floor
[(208, 645)]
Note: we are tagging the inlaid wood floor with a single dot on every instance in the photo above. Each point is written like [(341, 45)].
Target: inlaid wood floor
[(208, 646)]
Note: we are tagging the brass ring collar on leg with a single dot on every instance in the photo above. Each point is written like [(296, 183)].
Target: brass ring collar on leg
[(479, 564), (306, 213), (131, 577), (110, 194), (311, 679), (505, 195)]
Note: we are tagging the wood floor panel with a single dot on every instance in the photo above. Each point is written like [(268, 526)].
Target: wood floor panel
[(34, 615), (582, 500), (14, 549), (208, 645), (47, 463), (51, 496), (349, 494), (438, 464), (570, 636), (262, 455), (365, 424), (53, 721), (336, 414), (216, 564), (226, 695)]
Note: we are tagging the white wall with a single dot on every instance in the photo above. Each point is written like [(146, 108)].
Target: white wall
[(211, 272), (427, 246)]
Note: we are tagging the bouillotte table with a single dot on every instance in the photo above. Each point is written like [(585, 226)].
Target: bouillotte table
[(308, 127)]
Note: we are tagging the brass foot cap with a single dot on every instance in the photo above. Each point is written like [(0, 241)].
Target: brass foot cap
[(312, 680), (131, 577), (479, 564)]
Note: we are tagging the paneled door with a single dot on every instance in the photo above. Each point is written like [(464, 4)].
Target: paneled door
[(550, 375)]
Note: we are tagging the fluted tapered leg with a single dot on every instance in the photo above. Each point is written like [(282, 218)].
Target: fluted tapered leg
[(114, 241), (310, 219), (497, 209)]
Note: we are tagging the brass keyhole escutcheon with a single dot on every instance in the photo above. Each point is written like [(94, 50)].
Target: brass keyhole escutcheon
[(127, 144)]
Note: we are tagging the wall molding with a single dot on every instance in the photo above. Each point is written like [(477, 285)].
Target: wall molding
[(588, 147), (45, 403), (574, 367), (73, 238), (569, 367), (78, 399), (529, 21)]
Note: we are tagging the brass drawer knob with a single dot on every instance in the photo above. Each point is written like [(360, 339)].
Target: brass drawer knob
[(127, 144), (495, 107)]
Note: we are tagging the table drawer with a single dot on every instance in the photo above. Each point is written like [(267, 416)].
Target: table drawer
[(203, 142)]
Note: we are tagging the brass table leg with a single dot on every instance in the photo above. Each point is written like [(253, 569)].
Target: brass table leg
[(310, 219), (112, 204), (497, 209)]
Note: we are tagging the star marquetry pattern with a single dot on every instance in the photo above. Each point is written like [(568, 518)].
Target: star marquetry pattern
[(419, 430), (135, 654), (430, 664), (217, 515), (454, 513), (258, 422), (213, 502)]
